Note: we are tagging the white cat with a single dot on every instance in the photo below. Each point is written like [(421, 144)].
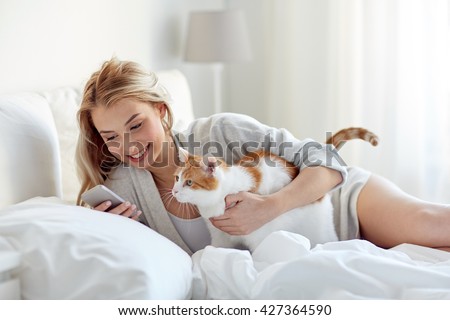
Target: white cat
[(207, 184)]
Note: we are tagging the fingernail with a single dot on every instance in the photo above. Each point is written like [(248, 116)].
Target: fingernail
[(127, 203), (108, 203)]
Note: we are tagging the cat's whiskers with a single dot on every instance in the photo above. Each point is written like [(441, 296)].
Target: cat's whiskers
[(166, 195), (187, 210), (183, 210)]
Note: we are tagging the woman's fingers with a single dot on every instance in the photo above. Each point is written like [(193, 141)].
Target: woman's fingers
[(103, 206), (125, 209), (131, 212), (232, 199)]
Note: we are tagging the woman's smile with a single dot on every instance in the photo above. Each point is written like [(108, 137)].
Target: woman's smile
[(137, 157)]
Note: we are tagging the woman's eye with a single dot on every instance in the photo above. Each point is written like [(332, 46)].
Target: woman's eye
[(110, 138), (137, 126)]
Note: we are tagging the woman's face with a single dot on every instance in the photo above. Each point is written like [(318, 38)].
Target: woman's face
[(133, 132)]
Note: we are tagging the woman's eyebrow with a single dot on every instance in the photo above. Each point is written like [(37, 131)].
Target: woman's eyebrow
[(128, 121), (131, 118)]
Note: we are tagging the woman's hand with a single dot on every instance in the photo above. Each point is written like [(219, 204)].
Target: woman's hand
[(125, 209), (251, 211), (245, 212)]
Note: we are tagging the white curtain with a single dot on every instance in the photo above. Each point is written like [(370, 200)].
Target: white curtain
[(380, 64)]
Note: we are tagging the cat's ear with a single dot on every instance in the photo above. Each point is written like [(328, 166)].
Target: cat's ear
[(209, 165), (183, 155)]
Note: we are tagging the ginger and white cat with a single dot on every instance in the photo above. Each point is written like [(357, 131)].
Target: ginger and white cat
[(206, 182)]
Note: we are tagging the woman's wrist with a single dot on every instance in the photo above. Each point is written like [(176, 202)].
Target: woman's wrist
[(275, 205)]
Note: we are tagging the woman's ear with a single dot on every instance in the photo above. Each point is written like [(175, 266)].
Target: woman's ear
[(162, 108)]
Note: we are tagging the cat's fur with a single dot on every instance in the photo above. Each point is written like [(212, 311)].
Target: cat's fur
[(339, 138), (206, 183)]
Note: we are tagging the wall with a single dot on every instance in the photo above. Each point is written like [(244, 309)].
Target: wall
[(46, 44), (247, 83)]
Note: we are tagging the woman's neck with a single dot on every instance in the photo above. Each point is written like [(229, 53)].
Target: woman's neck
[(164, 177), (164, 172)]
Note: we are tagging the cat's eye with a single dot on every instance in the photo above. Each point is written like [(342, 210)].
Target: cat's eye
[(177, 178), (189, 183)]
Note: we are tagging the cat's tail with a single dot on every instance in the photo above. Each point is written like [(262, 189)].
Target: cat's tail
[(340, 137)]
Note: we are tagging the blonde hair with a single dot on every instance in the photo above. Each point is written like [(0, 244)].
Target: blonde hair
[(114, 81)]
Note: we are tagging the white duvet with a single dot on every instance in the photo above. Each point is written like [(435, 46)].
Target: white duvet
[(70, 252), (284, 267)]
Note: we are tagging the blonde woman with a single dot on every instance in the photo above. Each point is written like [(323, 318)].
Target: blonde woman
[(127, 143)]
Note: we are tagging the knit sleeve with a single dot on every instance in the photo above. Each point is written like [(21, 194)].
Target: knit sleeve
[(230, 135)]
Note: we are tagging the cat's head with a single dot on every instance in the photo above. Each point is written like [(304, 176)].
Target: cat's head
[(198, 179)]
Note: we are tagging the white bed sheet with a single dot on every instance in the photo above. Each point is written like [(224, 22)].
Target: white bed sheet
[(284, 267)]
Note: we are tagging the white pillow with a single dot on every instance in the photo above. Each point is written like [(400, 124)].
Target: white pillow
[(29, 153), (71, 252), (64, 103)]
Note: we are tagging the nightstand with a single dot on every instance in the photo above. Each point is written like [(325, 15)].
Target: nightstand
[(9, 283)]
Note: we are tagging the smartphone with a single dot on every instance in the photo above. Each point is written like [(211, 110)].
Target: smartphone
[(99, 194)]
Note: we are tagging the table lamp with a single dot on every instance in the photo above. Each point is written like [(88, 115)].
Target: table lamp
[(217, 37)]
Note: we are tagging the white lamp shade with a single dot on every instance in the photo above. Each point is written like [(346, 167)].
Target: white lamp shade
[(217, 36)]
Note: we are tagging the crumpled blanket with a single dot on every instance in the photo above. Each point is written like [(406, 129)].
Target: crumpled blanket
[(285, 267)]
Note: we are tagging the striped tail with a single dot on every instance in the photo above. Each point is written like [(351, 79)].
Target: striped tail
[(339, 138)]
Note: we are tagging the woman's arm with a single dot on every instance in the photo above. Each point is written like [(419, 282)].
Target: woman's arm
[(247, 211)]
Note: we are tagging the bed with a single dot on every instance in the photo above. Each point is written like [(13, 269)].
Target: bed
[(70, 252)]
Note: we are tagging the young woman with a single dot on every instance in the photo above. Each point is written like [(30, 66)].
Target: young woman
[(127, 143)]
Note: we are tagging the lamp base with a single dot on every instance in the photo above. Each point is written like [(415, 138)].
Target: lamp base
[(217, 73)]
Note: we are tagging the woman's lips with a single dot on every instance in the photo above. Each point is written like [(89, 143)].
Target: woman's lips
[(138, 156)]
